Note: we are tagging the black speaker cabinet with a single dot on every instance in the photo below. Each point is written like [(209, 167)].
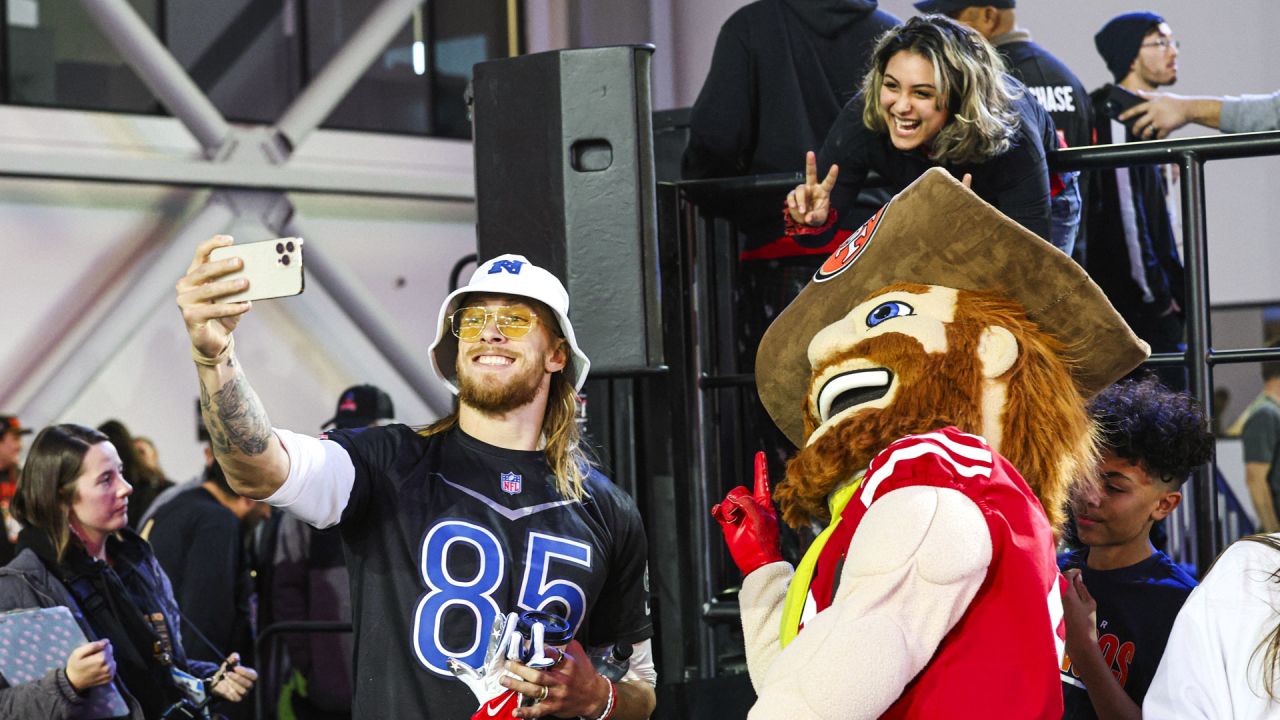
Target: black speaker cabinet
[(564, 176)]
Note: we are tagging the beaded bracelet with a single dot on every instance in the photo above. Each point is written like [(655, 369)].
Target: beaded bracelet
[(202, 359)]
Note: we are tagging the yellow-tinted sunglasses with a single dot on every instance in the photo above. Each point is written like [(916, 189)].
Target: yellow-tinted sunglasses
[(513, 321)]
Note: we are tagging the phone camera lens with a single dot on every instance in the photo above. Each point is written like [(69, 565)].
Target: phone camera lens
[(288, 246), (284, 259), (280, 248)]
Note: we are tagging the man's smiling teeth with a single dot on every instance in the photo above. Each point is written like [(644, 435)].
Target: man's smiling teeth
[(494, 360)]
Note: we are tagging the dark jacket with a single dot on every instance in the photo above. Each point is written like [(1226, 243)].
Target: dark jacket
[(1052, 83), (1134, 256), (27, 583), (311, 583), (97, 593), (781, 71), (1016, 182), (198, 543)]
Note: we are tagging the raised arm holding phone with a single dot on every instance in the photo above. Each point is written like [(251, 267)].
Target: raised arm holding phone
[(495, 507)]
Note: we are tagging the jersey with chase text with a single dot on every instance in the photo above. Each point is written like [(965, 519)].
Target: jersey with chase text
[(1136, 609), (445, 533), (1051, 83)]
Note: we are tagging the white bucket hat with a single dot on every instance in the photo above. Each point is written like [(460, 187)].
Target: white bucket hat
[(507, 275)]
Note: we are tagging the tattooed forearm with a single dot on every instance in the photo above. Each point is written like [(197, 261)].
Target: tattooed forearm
[(236, 421), (217, 436)]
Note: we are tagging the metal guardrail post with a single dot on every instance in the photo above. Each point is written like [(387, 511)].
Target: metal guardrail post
[(1200, 373), (700, 259), (269, 637)]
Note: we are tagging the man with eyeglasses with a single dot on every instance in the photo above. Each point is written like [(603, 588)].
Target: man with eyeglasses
[(1131, 225), (447, 529)]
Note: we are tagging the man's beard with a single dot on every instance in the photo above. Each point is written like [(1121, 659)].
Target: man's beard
[(498, 397), (932, 391)]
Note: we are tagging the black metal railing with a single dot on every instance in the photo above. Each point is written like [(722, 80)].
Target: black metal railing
[(1191, 154), (268, 652), (698, 243)]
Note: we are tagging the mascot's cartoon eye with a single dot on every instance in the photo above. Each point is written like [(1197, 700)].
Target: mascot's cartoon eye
[(886, 310)]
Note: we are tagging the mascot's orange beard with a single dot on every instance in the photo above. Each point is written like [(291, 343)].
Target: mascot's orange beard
[(933, 391)]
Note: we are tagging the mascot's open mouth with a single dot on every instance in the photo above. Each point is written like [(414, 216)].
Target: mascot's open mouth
[(852, 388)]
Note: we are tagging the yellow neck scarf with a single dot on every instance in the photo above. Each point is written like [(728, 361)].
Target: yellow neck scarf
[(798, 592)]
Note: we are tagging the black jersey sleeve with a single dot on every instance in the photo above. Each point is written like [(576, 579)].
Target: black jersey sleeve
[(374, 453), (621, 613)]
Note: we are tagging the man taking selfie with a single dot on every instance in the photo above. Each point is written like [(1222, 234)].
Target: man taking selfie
[(491, 510)]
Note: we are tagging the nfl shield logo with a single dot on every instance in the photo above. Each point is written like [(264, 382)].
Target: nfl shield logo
[(511, 483)]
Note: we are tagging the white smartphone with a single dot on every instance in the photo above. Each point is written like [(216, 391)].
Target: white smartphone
[(272, 267)]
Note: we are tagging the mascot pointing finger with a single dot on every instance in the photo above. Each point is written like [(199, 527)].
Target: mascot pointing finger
[(934, 374)]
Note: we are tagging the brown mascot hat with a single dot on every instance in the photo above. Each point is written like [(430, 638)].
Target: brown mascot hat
[(938, 232)]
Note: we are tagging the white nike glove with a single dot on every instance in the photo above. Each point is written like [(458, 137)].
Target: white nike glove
[(504, 643)]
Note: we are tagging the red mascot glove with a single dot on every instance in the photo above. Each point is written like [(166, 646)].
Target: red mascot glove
[(750, 523)]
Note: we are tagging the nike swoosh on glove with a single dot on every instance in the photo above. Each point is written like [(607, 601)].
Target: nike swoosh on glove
[(502, 706)]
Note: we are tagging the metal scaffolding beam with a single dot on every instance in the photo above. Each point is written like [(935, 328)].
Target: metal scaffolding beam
[(241, 175), (161, 73), (362, 308), (314, 104), (230, 175), (150, 288)]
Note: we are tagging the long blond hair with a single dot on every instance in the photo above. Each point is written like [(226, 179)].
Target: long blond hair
[(562, 445), (969, 77)]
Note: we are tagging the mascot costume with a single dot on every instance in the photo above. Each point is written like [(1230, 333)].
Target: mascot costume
[(934, 374)]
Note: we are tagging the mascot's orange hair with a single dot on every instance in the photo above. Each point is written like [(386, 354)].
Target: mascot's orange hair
[(1046, 432)]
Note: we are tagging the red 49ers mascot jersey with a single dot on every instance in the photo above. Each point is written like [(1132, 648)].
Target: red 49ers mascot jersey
[(976, 672)]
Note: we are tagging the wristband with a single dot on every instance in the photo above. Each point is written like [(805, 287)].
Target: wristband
[(202, 359)]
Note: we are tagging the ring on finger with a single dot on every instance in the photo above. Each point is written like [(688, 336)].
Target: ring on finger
[(545, 692)]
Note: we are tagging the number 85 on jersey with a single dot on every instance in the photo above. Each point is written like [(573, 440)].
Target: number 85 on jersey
[(452, 603)]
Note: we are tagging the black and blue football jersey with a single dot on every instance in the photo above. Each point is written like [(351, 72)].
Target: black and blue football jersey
[(445, 533)]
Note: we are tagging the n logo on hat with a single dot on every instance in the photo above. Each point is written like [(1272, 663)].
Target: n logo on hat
[(511, 266)]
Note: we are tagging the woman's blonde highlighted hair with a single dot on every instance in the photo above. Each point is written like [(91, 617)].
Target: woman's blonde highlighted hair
[(567, 456), (969, 77)]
